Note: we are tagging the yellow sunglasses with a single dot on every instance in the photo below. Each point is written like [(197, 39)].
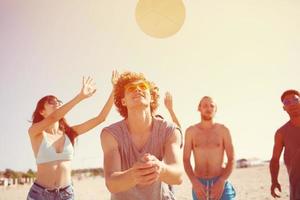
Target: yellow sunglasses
[(131, 87)]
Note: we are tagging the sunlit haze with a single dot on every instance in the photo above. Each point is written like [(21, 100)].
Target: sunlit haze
[(242, 53)]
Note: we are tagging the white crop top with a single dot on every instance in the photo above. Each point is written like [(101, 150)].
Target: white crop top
[(47, 152)]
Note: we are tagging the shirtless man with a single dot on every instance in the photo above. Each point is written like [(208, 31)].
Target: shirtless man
[(288, 137), (208, 141)]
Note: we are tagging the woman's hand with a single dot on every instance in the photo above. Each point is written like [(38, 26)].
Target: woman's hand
[(88, 87), (168, 101)]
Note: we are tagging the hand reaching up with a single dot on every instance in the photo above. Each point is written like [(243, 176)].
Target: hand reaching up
[(114, 77), (88, 87), (168, 101)]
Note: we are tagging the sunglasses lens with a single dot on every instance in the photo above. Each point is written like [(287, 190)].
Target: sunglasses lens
[(143, 86), (289, 102), (132, 87)]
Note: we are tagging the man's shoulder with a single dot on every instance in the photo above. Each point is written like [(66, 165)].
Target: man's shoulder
[(114, 128), (220, 125), (162, 123), (222, 129), (283, 128), (192, 128), (115, 124)]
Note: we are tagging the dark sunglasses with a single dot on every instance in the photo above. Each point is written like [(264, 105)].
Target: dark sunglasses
[(289, 102)]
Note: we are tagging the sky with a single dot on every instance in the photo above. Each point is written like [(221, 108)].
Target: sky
[(242, 53)]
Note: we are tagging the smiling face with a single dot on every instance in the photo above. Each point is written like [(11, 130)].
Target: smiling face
[(207, 108)]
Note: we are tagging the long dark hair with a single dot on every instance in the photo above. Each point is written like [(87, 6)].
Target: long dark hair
[(63, 125)]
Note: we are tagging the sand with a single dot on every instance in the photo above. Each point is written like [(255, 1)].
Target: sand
[(250, 183)]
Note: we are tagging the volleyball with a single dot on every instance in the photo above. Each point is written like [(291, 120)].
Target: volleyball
[(160, 18)]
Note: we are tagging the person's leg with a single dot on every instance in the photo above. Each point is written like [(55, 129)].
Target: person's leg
[(229, 192), (205, 182)]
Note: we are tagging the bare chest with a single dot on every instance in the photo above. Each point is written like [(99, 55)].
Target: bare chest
[(208, 139)]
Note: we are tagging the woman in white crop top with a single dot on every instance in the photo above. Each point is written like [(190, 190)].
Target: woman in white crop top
[(52, 141)]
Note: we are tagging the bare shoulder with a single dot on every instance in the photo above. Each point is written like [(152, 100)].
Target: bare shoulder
[(32, 132), (223, 129), (35, 136), (221, 126), (279, 133), (279, 137), (191, 129)]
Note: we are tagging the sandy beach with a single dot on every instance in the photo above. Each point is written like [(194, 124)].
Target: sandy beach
[(250, 183)]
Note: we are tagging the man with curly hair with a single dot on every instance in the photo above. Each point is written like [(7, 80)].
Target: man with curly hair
[(141, 152)]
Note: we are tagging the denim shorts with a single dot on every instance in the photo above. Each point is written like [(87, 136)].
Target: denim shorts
[(228, 192), (38, 192)]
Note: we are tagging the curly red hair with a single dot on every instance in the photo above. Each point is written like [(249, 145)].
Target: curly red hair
[(119, 91)]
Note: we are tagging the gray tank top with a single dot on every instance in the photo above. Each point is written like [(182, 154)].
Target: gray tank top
[(129, 154)]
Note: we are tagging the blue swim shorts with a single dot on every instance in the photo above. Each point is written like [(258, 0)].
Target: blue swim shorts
[(228, 193)]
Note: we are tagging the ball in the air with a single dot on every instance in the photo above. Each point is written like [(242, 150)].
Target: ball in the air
[(160, 18)]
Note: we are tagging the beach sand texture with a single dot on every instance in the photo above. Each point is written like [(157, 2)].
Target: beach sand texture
[(250, 183)]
